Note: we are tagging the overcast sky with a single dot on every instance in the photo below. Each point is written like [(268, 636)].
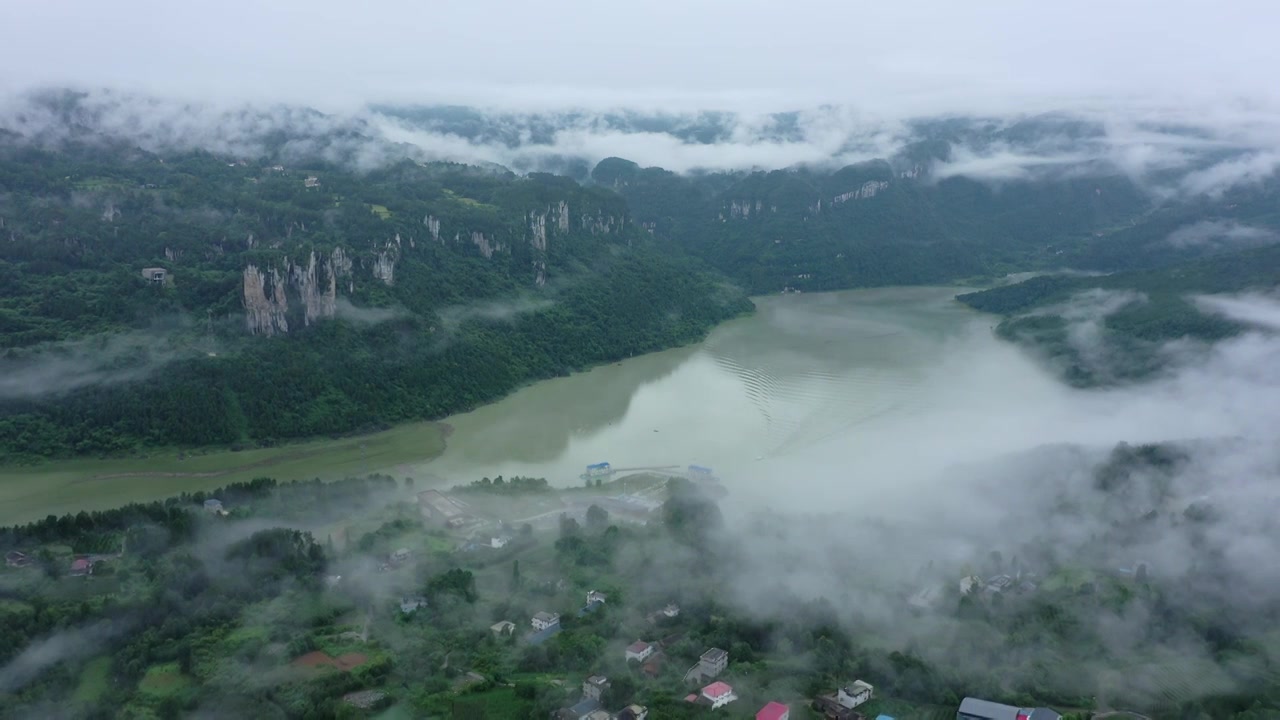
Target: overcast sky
[(892, 55)]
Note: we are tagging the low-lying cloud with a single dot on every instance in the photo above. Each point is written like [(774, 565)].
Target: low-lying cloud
[(453, 317), (1220, 233), (1005, 458), (60, 368), (1170, 153)]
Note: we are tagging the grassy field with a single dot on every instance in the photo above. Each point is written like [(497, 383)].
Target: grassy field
[(93, 681), (29, 492), (163, 680), (381, 211)]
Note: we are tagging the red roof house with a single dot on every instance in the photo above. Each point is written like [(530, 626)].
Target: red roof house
[(81, 566), (718, 694), (774, 711)]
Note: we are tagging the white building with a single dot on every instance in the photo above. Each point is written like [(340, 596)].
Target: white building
[(594, 596), (718, 694), (544, 620), (639, 651), (671, 610), (713, 662), (498, 542), (854, 694), (594, 686)]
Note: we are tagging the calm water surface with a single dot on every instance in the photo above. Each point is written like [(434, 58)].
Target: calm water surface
[(803, 370)]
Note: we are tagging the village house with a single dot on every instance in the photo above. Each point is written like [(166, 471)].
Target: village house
[(155, 275), (498, 543), (311, 182), (400, 555), (213, 505), (81, 566), (16, 559), (713, 662), (774, 711), (545, 620), (854, 694), (594, 687), (840, 705), (632, 712), (639, 651), (716, 695), (594, 596), (502, 627)]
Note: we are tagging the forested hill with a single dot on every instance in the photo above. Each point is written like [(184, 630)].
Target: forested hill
[(197, 299), (1135, 313), (894, 222)]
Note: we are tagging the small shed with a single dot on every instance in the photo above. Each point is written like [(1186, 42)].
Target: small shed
[(155, 275)]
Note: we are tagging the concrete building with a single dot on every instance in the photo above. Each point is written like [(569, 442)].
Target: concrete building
[(639, 651), (718, 694), (155, 275), (544, 620), (854, 694), (594, 687), (713, 662), (441, 509)]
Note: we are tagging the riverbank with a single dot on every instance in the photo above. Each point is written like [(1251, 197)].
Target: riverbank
[(68, 486)]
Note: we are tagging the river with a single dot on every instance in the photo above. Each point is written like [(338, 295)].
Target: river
[(802, 371)]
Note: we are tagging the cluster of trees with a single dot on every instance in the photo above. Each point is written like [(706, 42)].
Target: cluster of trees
[(517, 485)]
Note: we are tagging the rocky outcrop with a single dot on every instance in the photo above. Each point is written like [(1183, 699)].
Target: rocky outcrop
[(433, 226), (487, 245), (265, 304), (561, 216), (868, 189), (601, 224), (538, 226), (110, 213), (314, 285), (384, 261)]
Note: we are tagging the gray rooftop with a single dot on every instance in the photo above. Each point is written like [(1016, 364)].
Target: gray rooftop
[(986, 710)]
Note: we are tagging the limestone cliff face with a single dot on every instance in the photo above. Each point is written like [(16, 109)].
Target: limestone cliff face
[(313, 284), (601, 224), (384, 262), (868, 189), (486, 244), (433, 226), (265, 304), (743, 209)]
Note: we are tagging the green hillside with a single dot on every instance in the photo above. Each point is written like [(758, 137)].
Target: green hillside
[(304, 301)]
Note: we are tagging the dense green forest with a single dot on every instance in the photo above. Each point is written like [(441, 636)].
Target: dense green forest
[(306, 301), (1151, 308)]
